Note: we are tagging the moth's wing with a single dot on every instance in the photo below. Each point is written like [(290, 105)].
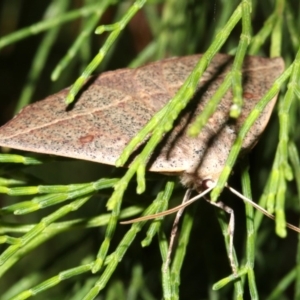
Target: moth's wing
[(116, 105)]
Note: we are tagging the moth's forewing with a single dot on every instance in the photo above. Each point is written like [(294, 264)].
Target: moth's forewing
[(115, 106)]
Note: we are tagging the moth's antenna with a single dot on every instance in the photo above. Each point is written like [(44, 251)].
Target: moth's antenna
[(171, 210), (261, 209)]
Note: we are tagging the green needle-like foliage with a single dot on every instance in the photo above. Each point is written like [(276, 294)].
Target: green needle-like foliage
[(61, 236)]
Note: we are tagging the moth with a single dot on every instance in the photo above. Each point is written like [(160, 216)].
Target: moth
[(114, 106)]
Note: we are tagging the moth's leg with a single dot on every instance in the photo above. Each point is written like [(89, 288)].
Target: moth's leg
[(175, 228), (230, 211)]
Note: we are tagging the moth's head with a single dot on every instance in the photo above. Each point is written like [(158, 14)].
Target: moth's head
[(197, 183)]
